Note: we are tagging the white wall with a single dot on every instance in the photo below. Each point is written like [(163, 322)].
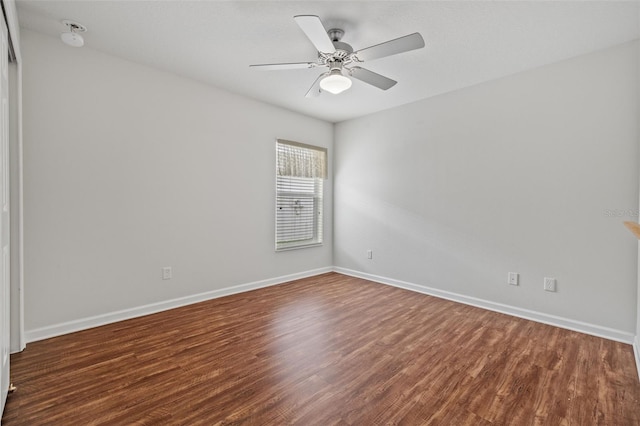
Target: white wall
[(124, 168), (128, 169), (519, 174)]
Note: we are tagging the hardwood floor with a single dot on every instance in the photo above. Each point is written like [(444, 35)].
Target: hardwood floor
[(326, 350)]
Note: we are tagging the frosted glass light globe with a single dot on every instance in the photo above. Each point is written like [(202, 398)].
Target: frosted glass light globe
[(335, 82)]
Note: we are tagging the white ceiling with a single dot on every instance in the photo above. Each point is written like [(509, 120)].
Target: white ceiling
[(216, 41)]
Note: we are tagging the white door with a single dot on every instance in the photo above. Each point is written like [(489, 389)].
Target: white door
[(4, 217)]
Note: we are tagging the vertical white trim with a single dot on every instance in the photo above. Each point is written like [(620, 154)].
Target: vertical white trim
[(13, 27), (19, 218), (636, 340)]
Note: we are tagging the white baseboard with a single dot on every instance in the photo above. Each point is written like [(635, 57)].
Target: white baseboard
[(583, 327), (108, 318)]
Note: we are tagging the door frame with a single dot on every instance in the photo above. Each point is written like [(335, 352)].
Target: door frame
[(18, 342)]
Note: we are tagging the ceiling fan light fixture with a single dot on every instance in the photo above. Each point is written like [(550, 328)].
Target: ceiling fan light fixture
[(335, 82), (336, 55)]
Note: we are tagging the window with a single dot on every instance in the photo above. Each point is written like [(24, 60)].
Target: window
[(300, 170)]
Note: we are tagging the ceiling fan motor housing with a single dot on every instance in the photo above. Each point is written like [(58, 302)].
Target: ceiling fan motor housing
[(342, 49), (343, 54)]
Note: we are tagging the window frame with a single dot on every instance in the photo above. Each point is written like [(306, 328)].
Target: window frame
[(316, 173)]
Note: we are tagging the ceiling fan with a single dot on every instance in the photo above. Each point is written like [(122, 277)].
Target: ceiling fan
[(340, 58)]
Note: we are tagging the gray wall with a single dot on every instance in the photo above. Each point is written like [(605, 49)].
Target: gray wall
[(128, 169), (533, 173)]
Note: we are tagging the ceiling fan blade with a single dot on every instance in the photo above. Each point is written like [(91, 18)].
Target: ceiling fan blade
[(370, 77), (284, 66), (315, 91), (391, 47), (313, 28)]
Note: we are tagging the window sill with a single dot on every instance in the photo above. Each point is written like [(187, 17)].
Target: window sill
[(297, 246)]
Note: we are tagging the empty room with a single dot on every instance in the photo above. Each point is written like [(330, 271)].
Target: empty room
[(319, 212)]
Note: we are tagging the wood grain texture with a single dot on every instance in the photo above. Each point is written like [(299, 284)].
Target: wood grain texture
[(326, 350)]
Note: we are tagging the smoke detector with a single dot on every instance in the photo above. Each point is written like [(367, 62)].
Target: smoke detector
[(72, 37)]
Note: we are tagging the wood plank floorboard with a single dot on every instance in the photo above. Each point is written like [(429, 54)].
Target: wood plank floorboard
[(325, 350)]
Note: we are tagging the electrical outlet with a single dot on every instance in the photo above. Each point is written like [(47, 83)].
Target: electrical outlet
[(167, 273), (369, 254), (549, 284), (513, 278)]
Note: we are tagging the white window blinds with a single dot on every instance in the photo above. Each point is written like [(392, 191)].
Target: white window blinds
[(300, 170)]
